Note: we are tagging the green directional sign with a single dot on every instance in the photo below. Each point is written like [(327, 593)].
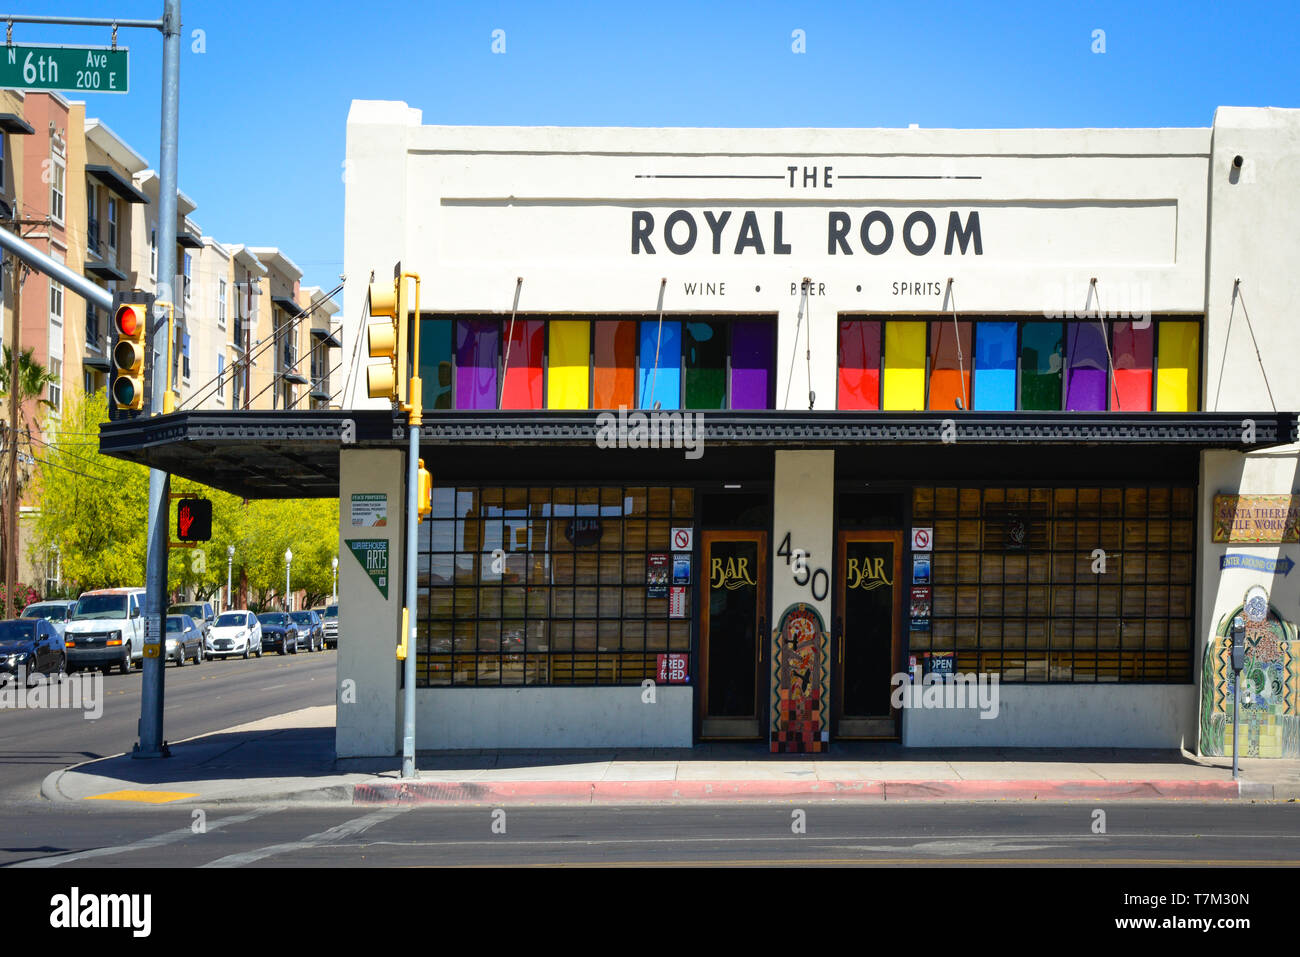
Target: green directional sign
[(373, 556), (83, 69)]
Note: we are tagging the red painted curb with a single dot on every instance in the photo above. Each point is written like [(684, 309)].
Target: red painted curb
[(615, 792)]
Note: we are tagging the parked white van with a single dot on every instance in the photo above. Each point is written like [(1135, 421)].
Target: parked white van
[(106, 629)]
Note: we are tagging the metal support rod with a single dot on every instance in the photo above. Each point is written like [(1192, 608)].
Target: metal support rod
[(56, 270), (11, 498), (151, 744), (416, 399), (1236, 715), (86, 21)]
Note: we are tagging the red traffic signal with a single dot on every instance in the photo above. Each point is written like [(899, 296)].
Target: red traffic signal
[(194, 520)]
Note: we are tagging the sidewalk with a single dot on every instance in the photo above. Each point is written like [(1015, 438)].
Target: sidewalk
[(290, 758)]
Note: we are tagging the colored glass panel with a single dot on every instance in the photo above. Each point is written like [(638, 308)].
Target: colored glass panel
[(859, 377), (951, 368), (436, 363), (904, 365), (1041, 348), (1087, 368), (1178, 367), (568, 373), (995, 366), (753, 364), (660, 381), (1134, 348), (706, 365), (477, 349), (525, 345), (614, 375)]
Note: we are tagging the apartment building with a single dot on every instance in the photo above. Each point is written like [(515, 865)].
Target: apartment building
[(289, 330), (246, 276), (325, 348)]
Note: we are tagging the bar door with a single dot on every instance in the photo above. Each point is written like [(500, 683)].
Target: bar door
[(733, 634), (867, 633)]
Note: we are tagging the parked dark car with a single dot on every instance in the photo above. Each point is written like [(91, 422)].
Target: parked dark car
[(200, 611), (279, 632), (30, 646), (309, 624), (184, 640)]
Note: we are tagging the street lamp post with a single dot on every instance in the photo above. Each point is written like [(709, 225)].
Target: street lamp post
[(288, 561), (230, 564), (334, 578)]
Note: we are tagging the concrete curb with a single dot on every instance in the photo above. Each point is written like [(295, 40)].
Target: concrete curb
[(654, 792)]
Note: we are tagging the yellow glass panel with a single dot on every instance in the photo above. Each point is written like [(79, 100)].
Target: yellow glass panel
[(904, 366), (1178, 367), (568, 371)]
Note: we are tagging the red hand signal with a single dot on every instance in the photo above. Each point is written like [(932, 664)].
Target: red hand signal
[(184, 520)]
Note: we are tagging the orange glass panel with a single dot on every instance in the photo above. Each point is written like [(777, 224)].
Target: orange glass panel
[(615, 365), (950, 354), (523, 364)]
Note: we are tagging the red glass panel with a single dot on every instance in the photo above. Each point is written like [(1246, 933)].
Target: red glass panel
[(523, 364), (1133, 348), (859, 375)]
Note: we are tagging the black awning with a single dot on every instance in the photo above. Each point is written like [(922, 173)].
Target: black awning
[(297, 378), (103, 270), (117, 183), (13, 123), (327, 337), (188, 239), (295, 454), (287, 304), (94, 361)]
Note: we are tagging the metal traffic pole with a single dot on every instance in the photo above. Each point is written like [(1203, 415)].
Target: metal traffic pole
[(151, 744), (414, 421)]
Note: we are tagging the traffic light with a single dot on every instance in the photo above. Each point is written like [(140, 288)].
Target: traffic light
[(194, 520), (130, 326), (424, 493), (387, 340)]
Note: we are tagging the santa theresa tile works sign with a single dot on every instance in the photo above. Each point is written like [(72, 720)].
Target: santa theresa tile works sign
[(372, 553), (1256, 519)]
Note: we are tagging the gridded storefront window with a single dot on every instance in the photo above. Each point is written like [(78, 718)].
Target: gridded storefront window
[(1062, 584), (546, 585)]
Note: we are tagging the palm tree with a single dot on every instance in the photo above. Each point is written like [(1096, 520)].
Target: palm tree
[(33, 381)]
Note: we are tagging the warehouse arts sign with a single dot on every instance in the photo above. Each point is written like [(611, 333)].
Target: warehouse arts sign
[(875, 232), (1256, 519)]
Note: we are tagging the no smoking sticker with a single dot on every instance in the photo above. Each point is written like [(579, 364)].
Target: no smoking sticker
[(683, 539), (922, 539)]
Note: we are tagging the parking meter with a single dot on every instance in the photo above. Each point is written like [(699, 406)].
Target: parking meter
[(1238, 643)]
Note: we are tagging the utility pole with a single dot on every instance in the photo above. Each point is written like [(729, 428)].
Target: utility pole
[(11, 498), (151, 744)]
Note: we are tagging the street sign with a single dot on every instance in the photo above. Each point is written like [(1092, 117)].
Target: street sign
[(82, 69)]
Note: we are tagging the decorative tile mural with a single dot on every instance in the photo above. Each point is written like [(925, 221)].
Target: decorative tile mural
[(1270, 686), (800, 682)]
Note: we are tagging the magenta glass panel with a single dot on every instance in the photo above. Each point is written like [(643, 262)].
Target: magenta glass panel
[(1085, 356), (752, 365), (477, 345)]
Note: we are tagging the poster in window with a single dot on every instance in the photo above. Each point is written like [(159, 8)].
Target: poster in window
[(920, 569), (681, 568), (656, 575)]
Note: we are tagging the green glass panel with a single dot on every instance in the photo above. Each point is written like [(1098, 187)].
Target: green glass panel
[(435, 363), (1041, 350), (706, 365)]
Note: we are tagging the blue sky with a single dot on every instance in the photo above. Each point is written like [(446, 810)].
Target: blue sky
[(263, 107)]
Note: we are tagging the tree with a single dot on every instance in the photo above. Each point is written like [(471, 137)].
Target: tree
[(33, 380), (309, 527)]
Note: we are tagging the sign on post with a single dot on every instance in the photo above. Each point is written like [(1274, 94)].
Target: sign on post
[(82, 69)]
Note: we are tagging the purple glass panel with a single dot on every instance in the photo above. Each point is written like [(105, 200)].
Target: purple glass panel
[(1087, 373), (752, 361), (477, 344)]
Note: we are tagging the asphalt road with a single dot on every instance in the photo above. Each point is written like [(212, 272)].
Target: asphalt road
[(894, 835), (197, 700)]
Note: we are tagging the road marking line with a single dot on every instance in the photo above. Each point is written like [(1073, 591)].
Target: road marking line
[(158, 840), (347, 829), (143, 797)]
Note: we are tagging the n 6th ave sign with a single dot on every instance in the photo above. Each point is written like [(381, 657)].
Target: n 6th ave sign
[(84, 69)]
